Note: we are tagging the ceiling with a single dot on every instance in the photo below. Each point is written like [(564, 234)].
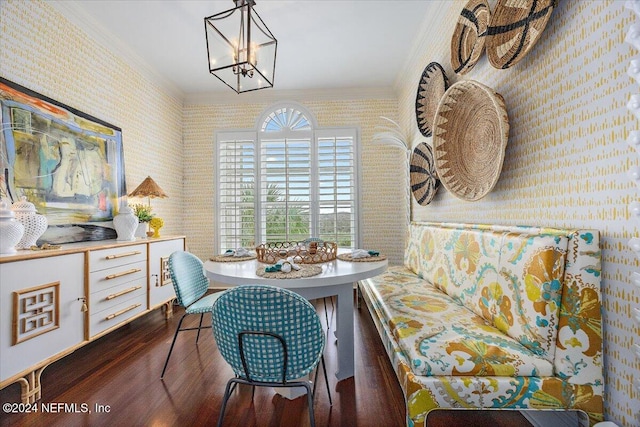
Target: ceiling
[(322, 44)]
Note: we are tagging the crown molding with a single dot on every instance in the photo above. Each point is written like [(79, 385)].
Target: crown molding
[(71, 11), (271, 95)]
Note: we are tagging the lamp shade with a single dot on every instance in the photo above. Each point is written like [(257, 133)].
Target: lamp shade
[(240, 48), (148, 188)]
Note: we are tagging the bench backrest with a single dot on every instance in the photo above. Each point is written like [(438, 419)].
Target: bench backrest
[(541, 286)]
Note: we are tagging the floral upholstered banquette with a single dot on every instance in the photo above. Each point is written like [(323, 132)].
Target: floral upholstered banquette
[(485, 316)]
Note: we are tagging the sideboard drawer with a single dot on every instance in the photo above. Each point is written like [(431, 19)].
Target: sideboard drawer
[(108, 298), (116, 314), (106, 279), (115, 257)]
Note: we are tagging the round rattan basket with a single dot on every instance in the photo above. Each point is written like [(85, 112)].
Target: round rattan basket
[(302, 252), (467, 43), (514, 29), (471, 133), (433, 84), (422, 173)]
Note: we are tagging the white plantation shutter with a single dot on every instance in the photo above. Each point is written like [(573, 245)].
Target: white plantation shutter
[(305, 181), (337, 184), (236, 189)]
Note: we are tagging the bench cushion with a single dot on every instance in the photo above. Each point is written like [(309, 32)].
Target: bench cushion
[(441, 337), (525, 304), (510, 279)]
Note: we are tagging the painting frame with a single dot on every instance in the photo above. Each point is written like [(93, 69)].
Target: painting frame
[(69, 164)]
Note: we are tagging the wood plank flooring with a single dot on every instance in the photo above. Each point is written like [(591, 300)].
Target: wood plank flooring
[(121, 372)]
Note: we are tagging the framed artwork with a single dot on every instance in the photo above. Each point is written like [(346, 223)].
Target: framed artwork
[(68, 164)]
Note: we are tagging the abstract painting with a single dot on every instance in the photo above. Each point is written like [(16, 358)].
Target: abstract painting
[(68, 164)]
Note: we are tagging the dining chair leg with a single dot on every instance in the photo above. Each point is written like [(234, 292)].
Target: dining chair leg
[(199, 327), (315, 379), (326, 315), (326, 380), (175, 335), (312, 418), (227, 393)]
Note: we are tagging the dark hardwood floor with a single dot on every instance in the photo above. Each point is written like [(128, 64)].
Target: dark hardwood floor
[(121, 372)]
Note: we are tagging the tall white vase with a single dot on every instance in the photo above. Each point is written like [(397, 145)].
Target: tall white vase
[(34, 224), (126, 224), (11, 230)]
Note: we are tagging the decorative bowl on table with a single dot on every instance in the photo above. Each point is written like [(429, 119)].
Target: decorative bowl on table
[(306, 252)]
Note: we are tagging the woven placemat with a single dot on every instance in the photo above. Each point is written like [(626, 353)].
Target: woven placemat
[(222, 258), (467, 42), (347, 257), (305, 271)]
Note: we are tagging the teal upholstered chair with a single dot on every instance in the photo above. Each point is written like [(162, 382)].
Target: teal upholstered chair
[(191, 286), (270, 337)]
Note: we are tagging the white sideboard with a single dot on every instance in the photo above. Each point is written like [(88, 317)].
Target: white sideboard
[(54, 301)]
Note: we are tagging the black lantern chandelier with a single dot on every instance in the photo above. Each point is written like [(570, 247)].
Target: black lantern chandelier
[(240, 48)]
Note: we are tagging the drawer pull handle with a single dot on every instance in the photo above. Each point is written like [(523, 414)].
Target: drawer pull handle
[(122, 255), (122, 273), (119, 294), (116, 314)]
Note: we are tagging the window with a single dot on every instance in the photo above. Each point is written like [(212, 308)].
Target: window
[(287, 181)]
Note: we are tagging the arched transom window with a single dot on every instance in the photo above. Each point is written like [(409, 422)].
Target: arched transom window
[(286, 181), (285, 118)]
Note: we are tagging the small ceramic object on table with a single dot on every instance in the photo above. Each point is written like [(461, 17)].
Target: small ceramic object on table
[(156, 224), (11, 230), (126, 224), (34, 224)]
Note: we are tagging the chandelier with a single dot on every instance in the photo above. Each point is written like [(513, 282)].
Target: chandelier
[(240, 48)]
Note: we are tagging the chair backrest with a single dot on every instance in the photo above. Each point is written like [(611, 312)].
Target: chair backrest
[(188, 278), (271, 311)]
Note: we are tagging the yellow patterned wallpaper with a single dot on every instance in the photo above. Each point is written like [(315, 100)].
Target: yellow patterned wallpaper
[(566, 160), (565, 163)]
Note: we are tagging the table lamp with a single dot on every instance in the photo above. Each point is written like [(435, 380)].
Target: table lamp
[(149, 189)]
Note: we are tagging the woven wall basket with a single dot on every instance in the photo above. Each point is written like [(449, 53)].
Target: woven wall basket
[(432, 86), (471, 130), (467, 43), (515, 28), (424, 179)]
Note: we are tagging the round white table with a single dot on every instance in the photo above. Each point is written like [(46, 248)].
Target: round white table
[(337, 279)]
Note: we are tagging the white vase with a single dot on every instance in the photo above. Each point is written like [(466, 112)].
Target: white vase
[(34, 224), (11, 230), (126, 224), (141, 231)]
